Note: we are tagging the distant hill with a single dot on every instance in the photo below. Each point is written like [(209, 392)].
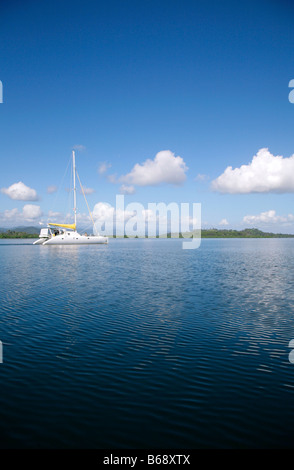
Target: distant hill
[(246, 233), (31, 230), (20, 232), (216, 233)]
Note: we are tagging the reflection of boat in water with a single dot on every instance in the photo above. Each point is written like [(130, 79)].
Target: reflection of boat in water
[(66, 234)]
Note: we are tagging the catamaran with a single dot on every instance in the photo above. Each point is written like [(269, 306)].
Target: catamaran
[(66, 234)]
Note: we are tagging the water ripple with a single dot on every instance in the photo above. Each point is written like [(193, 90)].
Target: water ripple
[(143, 344)]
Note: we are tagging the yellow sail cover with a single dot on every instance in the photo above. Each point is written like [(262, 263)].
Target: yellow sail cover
[(71, 226)]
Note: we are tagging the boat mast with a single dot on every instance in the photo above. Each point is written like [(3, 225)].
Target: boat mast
[(75, 189)]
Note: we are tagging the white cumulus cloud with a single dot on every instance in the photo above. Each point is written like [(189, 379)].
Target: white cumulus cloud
[(88, 190), (125, 189), (105, 212), (103, 168), (201, 177), (54, 214), (224, 222), (165, 168), (9, 214), (265, 173), (51, 189), (31, 212), (20, 192), (79, 148), (268, 217), (109, 219)]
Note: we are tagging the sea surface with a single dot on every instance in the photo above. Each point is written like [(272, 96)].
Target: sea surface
[(141, 344)]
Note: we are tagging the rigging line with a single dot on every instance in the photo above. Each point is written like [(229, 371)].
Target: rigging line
[(85, 198)]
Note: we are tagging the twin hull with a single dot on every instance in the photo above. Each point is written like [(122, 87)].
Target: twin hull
[(76, 241), (72, 239)]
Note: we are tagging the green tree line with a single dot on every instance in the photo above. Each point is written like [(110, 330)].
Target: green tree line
[(15, 234)]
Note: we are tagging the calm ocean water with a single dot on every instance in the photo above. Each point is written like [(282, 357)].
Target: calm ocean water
[(140, 344)]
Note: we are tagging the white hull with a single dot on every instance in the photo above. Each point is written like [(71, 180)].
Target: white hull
[(72, 238), (82, 240), (40, 241)]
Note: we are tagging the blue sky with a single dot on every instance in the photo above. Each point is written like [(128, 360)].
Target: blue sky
[(207, 82)]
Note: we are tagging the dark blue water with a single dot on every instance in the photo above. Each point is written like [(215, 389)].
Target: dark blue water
[(140, 344)]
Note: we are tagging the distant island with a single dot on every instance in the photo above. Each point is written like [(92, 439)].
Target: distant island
[(246, 233), (17, 234), (217, 233), (33, 232)]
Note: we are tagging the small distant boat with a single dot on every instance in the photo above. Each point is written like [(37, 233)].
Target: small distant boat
[(66, 234)]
